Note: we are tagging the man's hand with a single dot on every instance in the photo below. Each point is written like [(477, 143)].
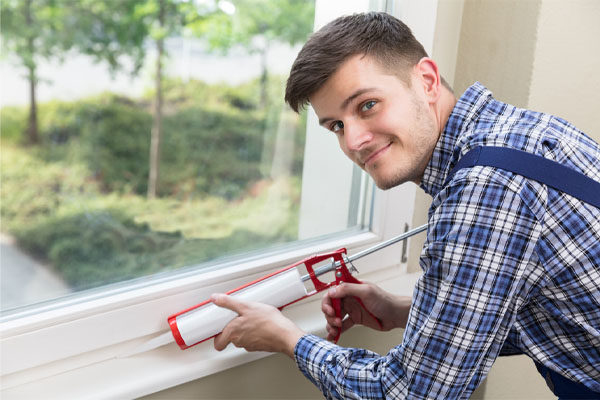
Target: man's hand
[(391, 310), (259, 327)]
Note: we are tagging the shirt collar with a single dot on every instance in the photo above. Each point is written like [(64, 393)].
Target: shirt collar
[(449, 147)]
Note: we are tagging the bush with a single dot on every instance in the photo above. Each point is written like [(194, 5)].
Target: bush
[(215, 140), (33, 188), (216, 153), (96, 247), (77, 199), (60, 121), (115, 143), (93, 239), (180, 95), (100, 247), (13, 121)]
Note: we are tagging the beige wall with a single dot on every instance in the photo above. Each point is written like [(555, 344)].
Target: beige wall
[(497, 47), (565, 79), (539, 54)]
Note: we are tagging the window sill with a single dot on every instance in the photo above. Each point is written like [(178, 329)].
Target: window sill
[(99, 375)]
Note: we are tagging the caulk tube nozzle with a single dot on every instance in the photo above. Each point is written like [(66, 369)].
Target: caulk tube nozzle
[(206, 320)]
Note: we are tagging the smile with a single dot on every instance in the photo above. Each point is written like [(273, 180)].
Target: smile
[(375, 155)]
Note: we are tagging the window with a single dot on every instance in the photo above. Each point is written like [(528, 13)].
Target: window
[(149, 170), (43, 345)]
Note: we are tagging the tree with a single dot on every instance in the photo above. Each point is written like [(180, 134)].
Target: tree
[(47, 29), (109, 31), (168, 18), (158, 32), (31, 31), (257, 24)]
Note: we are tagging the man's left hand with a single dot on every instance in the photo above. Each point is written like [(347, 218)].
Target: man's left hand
[(258, 327)]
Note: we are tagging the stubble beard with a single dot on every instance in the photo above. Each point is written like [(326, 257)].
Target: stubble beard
[(424, 137)]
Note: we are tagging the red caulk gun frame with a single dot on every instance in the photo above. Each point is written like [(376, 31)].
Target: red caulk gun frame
[(342, 274)]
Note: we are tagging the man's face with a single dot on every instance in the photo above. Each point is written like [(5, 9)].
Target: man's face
[(381, 124)]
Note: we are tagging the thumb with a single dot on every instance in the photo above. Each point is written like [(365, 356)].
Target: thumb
[(229, 302)]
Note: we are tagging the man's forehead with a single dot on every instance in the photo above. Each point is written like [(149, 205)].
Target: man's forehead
[(359, 74), (349, 77)]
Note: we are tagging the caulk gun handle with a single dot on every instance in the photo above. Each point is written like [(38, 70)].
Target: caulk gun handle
[(337, 306), (337, 302)]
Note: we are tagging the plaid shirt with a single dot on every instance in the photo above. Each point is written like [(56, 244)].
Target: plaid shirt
[(510, 266)]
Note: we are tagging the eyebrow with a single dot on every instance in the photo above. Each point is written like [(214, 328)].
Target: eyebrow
[(346, 102)]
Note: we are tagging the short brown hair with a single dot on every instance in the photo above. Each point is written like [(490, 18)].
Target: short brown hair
[(374, 34)]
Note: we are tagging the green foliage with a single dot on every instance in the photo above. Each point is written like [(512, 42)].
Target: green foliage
[(38, 30), (13, 121), (33, 29), (44, 29), (97, 246), (33, 188), (108, 31), (285, 21), (108, 135), (73, 198), (218, 97), (93, 239), (220, 151), (215, 142), (76, 199), (115, 143)]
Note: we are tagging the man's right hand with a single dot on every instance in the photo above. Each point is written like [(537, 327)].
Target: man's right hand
[(390, 309)]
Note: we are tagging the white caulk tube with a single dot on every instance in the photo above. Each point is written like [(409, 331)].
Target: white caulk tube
[(206, 320)]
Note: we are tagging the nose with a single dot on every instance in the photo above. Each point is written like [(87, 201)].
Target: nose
[(356, 136)]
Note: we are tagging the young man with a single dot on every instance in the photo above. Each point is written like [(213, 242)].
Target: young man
[(511, 265)]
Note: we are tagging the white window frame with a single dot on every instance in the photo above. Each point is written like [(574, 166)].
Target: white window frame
[(69, 351)]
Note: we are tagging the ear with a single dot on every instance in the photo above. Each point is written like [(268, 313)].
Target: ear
[(429, 78)]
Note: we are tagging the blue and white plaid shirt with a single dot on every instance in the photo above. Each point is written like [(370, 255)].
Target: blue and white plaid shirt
[(510, 266)]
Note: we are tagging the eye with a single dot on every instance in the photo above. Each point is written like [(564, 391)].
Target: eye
[(336, 126), (368, 105)]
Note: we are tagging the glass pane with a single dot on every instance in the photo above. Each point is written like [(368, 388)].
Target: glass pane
[(157, 139)]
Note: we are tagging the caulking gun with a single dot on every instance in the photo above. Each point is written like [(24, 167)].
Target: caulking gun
[(279, 289)]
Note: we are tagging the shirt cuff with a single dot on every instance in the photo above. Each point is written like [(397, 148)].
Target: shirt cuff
[(309, 353)]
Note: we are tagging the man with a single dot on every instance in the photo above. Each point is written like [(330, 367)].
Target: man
[(511, 265)]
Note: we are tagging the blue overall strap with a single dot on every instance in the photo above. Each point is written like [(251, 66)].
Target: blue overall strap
[(563, 388), (538, 168)]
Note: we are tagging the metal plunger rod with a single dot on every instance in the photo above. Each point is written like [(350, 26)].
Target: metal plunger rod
[(333, 265)]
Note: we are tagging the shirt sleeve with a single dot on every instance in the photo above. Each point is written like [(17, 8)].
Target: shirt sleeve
[(479, 245)]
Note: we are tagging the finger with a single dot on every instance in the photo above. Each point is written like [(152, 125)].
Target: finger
[(349, 289), (229, 302), (331, 332), (327, 307), (330, 314), (223, 339), (334, 321)]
